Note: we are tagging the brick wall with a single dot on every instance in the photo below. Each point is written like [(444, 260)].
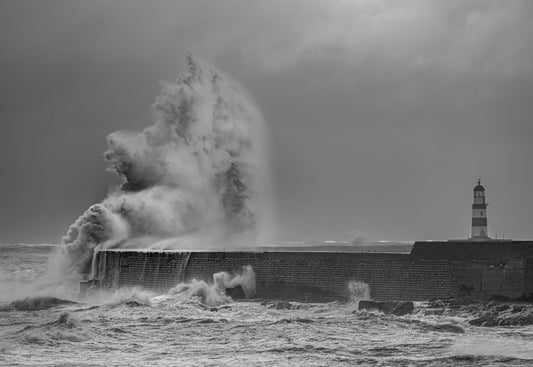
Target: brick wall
[(309, 276), (151, 270), (464, 250), (325, 276), (484, 279), (484, 269), (432, 270)]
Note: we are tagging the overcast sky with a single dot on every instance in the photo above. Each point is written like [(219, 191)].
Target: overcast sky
[(382, 114)]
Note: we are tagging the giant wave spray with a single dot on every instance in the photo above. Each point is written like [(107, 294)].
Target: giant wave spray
[(195, 178)]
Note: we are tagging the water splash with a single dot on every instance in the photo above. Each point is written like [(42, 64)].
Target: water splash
[(195, 178), (358, 291), (214, 294)]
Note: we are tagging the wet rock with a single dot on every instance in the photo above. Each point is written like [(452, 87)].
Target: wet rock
[(518, 321), (456, 307), (487, 320), (487, 314), (392, 307), (134, 303), (236, 293), (436, 304), (283, 305), (504, 315), (403, 308), (371, 305), (518, 308), (503, 307)]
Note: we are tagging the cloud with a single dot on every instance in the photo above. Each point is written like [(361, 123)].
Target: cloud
[(357, 94), (458, 36)]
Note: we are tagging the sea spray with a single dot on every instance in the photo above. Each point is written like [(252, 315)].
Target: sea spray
[(214, 294), (244, 279), (196, 178), (358, 291)]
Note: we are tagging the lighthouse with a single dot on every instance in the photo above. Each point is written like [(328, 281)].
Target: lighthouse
[(479, 214)]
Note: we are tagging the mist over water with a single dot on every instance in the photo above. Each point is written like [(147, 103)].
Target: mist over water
[(196, 178)]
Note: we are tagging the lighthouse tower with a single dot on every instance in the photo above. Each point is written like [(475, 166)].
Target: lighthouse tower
[(479, 214)]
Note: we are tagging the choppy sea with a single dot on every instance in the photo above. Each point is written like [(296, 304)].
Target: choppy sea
[(133, 327)]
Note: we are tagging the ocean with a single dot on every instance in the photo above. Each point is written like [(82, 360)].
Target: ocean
[(45, 323)]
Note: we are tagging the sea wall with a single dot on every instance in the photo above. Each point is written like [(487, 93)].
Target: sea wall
[(431, 270), (485, 269)]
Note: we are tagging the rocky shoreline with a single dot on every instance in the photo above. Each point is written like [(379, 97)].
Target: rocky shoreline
[(487, 314), (477, 313)]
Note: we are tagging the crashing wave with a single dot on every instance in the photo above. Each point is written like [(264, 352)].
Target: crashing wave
[(195, 178)]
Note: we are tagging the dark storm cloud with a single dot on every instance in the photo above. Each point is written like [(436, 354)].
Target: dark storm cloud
[(382, 113)]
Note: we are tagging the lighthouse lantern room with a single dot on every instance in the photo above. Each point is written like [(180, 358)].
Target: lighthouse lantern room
[(479, 214)]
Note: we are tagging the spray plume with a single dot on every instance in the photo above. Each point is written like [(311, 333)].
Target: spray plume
[(195, 178), (214, 294)]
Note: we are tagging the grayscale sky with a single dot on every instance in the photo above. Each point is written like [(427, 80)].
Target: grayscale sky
[(382, 114)]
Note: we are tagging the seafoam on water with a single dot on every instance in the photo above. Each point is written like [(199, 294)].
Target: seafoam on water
[(137, 327)]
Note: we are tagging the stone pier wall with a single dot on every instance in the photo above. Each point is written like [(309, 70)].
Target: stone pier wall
[(485, 269), (431, 270)]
